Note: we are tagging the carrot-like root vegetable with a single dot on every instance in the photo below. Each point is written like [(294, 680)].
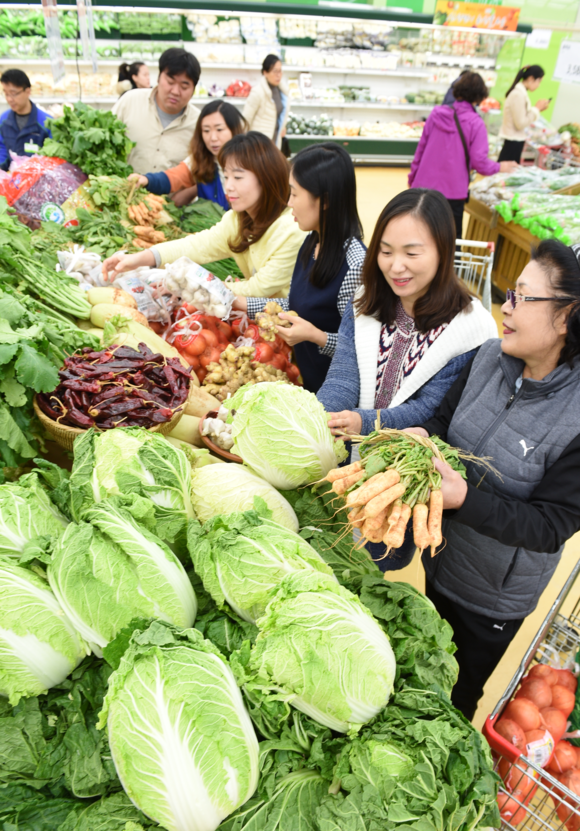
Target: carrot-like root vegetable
[(434, 521), (372, 532), (394, 513), (421, 534), (376, 484), (356, 517), (374, 523), (341, 472), (376, 505), (395, 535), (342, 485)]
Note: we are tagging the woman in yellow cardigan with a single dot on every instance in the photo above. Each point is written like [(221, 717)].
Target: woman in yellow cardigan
[(259, 232)]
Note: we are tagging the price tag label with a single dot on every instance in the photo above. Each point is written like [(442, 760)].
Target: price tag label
[(568, 63), (31, 147)]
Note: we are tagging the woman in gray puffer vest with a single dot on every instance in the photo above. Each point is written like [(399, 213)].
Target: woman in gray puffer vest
[(518, 402)]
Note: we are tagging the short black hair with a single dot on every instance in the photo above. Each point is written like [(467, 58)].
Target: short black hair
[(471, 88), (177, 61), (16, 77), (270, 62)]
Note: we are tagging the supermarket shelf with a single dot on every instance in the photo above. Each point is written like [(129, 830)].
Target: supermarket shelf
[(360, 105), (384, 139), (331, 70)]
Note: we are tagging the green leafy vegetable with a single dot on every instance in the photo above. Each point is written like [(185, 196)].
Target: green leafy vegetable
[(242, 556), (26, 513), (136, 461), (95, 140), (124, 572), (321, 647), (300, 450), (182, 741), (38, 645)]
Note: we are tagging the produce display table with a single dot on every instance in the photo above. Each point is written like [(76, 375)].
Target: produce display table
[(513, 243)]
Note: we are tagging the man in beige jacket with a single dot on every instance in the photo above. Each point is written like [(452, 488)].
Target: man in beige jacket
[(161, 121)]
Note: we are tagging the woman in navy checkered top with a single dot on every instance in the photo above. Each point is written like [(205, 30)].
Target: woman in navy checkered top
[(329, 264)]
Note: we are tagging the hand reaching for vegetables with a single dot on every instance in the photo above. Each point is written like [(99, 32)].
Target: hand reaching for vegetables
[(418, 431), (300, 330), (344, 422), (142, 181), (453, 485), (119, 262)]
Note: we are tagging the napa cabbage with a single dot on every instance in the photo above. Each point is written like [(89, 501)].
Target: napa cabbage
[(320, 645), (26, 513), (242, 556), (181, 739), (109, 570), (39, 646), (131, 460), (223, 489), (281, 432)]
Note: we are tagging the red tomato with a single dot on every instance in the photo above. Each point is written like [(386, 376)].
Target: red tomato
[(292, 372), (210, 337), (252, 332), (196, 345), (263, 353), (211, 354), (201, 373), (225, 329)]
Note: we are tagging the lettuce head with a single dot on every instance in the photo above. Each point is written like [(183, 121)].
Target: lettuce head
[(26, 513)]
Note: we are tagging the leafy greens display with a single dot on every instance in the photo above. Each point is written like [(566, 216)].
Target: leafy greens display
[(27, 517)]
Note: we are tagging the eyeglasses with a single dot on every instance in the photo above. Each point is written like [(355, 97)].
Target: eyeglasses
[(10, 95), (512, 297)]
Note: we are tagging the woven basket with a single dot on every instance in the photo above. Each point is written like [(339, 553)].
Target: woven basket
[(64, 435)]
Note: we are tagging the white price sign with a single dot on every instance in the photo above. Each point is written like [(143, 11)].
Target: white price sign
[(539, 39), (568, 63)]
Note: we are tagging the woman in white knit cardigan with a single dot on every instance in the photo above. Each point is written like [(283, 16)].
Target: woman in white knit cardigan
[(266, 109), (518, 112)]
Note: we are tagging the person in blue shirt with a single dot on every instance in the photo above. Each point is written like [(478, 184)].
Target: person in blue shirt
[(200, 174), (24, 127)]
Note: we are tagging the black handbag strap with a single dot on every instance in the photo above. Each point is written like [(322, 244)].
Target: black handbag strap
[(463, 142)]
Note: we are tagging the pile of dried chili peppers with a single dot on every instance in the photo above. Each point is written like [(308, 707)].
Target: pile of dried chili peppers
[(118, 385)]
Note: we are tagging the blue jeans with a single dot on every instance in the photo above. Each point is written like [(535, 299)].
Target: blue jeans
[(398, 557)]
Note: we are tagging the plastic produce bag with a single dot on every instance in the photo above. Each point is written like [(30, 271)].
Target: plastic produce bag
[(196, 285), (39, 187)]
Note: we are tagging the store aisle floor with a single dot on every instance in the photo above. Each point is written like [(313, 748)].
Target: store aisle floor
[(375, 187)]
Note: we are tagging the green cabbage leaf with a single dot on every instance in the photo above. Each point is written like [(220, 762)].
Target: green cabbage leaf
[(26, 514)]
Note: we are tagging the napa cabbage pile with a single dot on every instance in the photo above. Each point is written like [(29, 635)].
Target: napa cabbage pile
[(39, 646), (318, 644), (242, 556), (125, 572), (281, 432), (180, 736)]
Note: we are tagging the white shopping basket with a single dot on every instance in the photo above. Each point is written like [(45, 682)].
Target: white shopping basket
[(475, 269)]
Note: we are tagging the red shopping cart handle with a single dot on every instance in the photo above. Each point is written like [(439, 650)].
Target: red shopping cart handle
[(498, 743)]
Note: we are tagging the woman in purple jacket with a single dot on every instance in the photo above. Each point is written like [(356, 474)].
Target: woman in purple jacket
[(453, 143)]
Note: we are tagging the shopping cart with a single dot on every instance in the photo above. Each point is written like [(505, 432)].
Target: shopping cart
[(544, 804), (475, 269)]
